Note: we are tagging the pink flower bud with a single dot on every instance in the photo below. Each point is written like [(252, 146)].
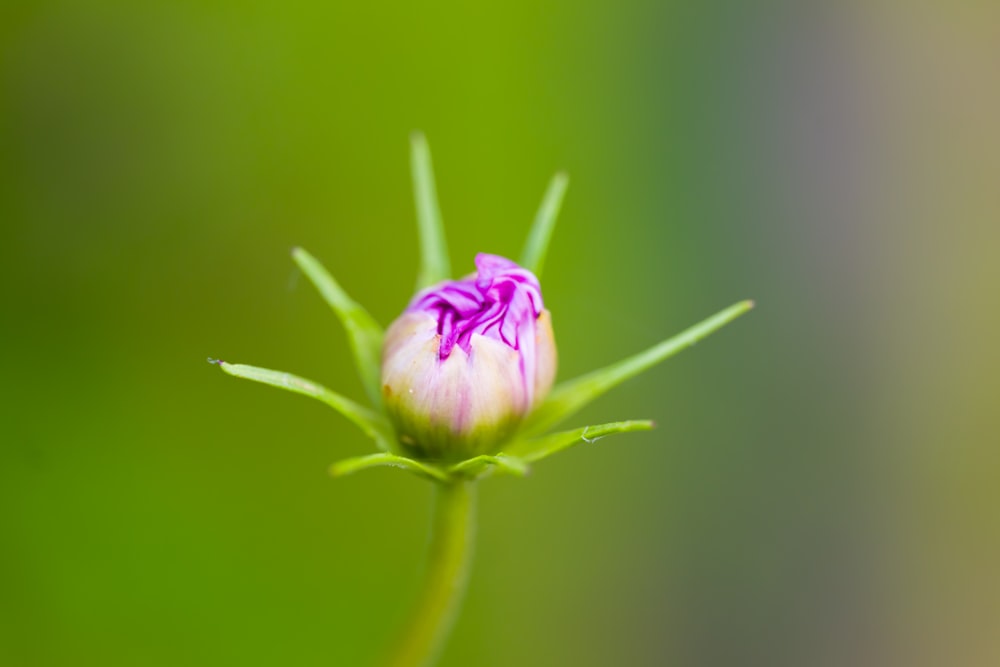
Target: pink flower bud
[(467, 360)]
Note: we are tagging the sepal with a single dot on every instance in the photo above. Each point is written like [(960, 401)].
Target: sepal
[(374, 425), (363, 332), (569, 397), (536, 449)]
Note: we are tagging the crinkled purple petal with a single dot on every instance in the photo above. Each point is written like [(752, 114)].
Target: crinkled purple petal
[(502, 302)]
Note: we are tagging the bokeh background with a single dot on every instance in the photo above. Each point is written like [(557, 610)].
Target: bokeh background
[(824, 485)]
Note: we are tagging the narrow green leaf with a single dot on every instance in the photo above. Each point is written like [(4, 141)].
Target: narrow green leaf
[(434, 264), (537, 449), (569, 397), (363, 332), (537, 245), (353, 465), (475, 467), (372, 424)]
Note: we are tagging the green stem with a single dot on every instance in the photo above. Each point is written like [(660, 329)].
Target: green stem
[(445, 580)]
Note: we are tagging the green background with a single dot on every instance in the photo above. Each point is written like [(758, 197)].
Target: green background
[(824, 484)]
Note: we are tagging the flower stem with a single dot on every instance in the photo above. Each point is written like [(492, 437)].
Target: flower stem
[(448, 561)]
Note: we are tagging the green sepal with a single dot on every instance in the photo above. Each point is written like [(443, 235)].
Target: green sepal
[(479, 466), (353, 465), (536, 449), (569, 397), (363, 333), (537, 245), (434, 263), (470, 469), (374, 425)]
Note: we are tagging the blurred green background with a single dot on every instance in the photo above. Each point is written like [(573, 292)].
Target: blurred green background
[(824, 485)]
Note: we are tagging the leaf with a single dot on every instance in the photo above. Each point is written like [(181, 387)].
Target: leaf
[(537, 449), (434, 264), (537, 245), (363, 332), (372, 424), (353, 465), (569, 397), (477, 466)]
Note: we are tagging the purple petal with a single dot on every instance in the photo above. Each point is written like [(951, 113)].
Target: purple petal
[(502, 302)]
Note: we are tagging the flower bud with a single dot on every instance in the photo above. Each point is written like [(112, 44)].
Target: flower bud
[(467, 360)]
